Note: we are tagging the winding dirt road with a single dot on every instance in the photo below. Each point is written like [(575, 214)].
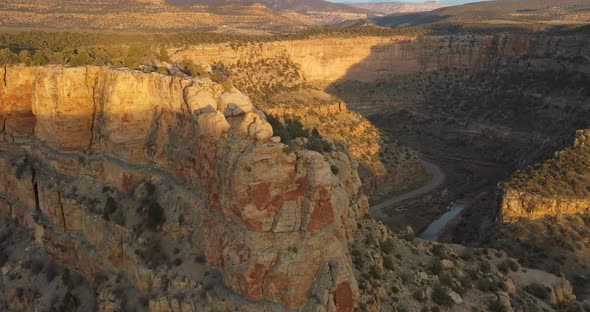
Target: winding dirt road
[(438, 177)]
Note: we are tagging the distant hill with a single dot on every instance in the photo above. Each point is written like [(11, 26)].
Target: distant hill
[(499, 11), (399, 7), (74, 2), (289, 5), (251, 17)]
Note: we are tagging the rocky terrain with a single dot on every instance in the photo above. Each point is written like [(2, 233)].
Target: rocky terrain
[(108, 184), (543, 216), (397, 272)]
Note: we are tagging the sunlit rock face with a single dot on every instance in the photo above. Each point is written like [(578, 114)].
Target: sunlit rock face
[(521, 200), (275, 221), (328, 60)]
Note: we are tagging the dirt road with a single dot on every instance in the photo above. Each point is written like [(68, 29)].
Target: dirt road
[(438, 177)]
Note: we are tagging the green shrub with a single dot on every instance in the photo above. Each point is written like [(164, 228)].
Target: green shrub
[(70, 302), (387, 246), (375, 273), (319, 145), (436, 267), (110, 207), (67, 279), (155, 215), (508, 265), (486, 285), (150, 188), (388, 264), (152, 253), (485, 266), (538, 291), (437, 250), (440, 296), (446, 279)]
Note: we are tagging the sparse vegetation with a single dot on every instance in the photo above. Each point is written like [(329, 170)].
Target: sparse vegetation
[(152, 253), (440, 296), (293, 128), (538, 291)]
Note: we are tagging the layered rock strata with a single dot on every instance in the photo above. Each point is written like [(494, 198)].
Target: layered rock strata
[(518, 202), (328, 60), (275, 221)]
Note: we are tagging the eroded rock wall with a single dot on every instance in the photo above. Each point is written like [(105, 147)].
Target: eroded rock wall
[(522, 203), (327, 60), (275, 222)]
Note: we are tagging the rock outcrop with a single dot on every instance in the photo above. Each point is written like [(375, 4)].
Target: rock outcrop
[(556, 187), (517, 204), (275, 221)]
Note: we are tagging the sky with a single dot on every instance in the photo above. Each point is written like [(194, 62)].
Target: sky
[(446, 2)]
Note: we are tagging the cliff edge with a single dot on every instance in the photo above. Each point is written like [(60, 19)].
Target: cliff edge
[(97, 161)]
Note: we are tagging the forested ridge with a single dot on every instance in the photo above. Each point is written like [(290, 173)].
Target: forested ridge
[(132, 50)]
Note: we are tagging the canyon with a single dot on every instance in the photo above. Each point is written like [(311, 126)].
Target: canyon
[(237, 175), (386, 79)]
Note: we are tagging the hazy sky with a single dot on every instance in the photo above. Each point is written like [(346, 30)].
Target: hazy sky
[(447, 2)]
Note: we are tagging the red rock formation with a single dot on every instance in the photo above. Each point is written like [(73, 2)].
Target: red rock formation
[(269, 218)]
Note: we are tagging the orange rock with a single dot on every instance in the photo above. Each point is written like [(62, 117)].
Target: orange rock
[(267, 217)]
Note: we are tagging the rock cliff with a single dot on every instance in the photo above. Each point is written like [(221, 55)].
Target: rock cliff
[(327, 60), (100, 162), (557, 187)]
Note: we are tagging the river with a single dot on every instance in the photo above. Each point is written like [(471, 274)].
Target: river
[(435, 228)]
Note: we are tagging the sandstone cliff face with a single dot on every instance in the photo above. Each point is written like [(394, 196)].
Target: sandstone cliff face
[(275, 222), (518, 201), (327, 60), (521, 204)]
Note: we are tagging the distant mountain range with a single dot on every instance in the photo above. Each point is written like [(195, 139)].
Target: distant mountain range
[(383, 7), (244, 16), (498, 12), (289, 5)]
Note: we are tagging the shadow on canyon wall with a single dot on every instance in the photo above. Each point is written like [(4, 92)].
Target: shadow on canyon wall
[(526, 90), (467, 102)]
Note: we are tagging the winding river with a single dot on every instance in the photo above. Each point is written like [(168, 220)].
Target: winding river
[(435, 228)]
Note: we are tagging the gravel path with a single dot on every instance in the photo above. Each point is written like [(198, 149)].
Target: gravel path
[(438, 177)]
